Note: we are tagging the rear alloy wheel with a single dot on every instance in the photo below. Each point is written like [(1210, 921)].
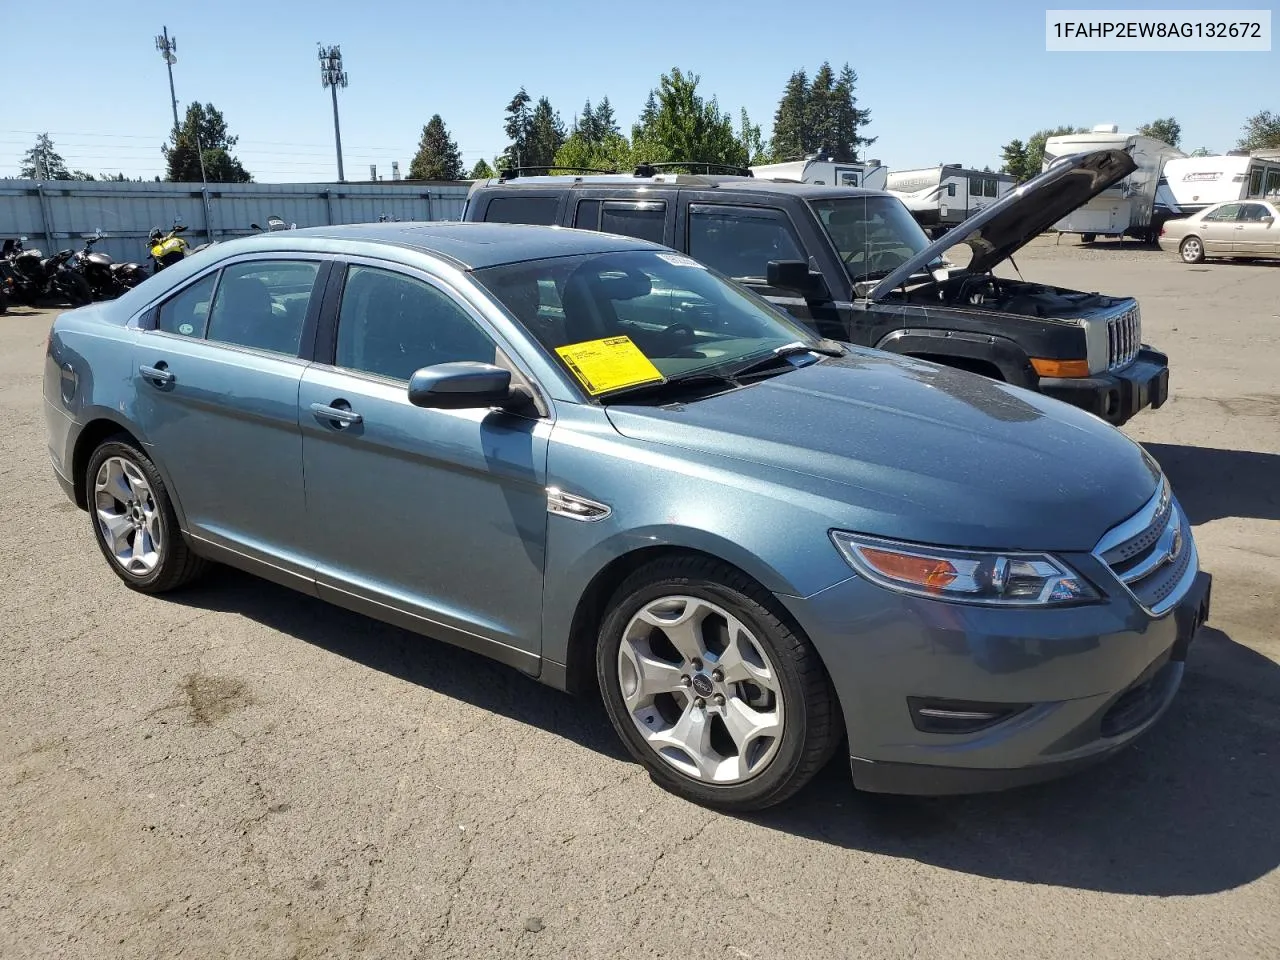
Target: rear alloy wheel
[(134, 521), (1191, 250), (710, 689)]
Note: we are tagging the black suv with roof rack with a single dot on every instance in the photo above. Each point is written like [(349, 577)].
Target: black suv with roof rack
[(855, 266)]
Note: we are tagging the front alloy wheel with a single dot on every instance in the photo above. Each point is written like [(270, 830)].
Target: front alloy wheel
[(700, 689), (712, 687)]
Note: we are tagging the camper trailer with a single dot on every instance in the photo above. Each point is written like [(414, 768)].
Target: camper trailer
[(943, 196), (1199, 182), (818, 170), (1130, 208)]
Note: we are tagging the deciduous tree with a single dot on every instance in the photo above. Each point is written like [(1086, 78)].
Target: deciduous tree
[(1261, 132)]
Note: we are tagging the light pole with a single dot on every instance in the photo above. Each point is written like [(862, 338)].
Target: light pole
[(332, 77), (166, 45)]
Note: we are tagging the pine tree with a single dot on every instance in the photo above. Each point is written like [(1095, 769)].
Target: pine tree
[(546, 135), (438, 157), (1014, 155), (821, 134), (678, 124), (203, 135), (605, 121), (517, 129), (481, 171), (43, 162), (849, 119), (789, 122)]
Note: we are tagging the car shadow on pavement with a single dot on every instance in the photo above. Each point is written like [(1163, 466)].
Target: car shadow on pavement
[(431, 664), (1212, 484), (1191, 808)]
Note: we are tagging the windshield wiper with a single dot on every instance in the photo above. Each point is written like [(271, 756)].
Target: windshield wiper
[(826, 347), (671, 385)]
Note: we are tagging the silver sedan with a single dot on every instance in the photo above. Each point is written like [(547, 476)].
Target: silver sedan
[(1243, 229)]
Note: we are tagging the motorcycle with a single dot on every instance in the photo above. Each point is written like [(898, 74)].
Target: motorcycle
[(274, 223), (166, 249), (106, 278), (35, 277)]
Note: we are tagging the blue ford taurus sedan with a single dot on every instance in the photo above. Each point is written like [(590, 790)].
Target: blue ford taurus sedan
[(598, 461)]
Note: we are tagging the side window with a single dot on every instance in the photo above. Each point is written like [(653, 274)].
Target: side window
[(1228, 212), (263, 304), (1272, 189), (1255, 181), (187, 314), (1253, 212), (536, 210), (740, 241), (975, 187), (391, 325), (951, 189), (588, 215), (644, 221)]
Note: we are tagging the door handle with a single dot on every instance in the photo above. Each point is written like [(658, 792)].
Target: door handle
[(344, 416), (157, 375)]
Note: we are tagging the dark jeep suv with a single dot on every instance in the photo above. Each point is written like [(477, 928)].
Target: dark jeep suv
[(854, 265)]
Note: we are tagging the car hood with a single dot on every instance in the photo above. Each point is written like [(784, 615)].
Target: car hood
[(901, 448), (1002, 228)]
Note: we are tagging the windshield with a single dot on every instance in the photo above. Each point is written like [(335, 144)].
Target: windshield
[(639, 317), (873, 235)]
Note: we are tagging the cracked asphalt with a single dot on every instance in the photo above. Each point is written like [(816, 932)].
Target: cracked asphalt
[(241, 771)]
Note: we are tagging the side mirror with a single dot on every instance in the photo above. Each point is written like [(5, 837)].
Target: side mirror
[(462, 385), (255, 226), (794, 275), (1267, 220)]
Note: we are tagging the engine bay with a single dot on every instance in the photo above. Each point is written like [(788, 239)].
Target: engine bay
[(987, 292)]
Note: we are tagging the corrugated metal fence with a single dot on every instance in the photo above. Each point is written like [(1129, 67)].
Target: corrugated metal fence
[(56, 214)]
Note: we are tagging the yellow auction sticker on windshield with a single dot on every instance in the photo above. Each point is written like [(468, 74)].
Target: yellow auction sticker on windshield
[(608, 364)]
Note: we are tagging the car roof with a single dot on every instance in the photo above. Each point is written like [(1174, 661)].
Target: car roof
[(807, 191), (470, 246)]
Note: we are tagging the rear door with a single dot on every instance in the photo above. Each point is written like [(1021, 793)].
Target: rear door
[(1218, 229), (606, 211), (216, 375), (1256, 232)]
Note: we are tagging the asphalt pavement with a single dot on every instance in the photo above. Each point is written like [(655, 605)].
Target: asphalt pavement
[(241, 771)]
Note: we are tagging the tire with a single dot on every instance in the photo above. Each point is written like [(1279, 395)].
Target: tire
[(78, 291), (1191, 249), (1088, 237), (768, 768), (171, 564)]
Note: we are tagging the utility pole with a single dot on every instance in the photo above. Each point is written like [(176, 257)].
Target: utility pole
[(166, 45), (331, 78)]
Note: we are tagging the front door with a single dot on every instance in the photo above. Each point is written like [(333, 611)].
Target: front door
[(438, 516), (216, 379), (1257, 233)]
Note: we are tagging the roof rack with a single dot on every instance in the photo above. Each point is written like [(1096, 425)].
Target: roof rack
[(649, 169), (508, 173)]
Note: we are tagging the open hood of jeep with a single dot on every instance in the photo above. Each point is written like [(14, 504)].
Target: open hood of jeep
[(1002, 228)]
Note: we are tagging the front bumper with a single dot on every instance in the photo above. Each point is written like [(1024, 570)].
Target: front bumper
[(1089, 680), (1116, 397)]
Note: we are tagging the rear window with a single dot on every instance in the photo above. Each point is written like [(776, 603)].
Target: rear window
[(535, 210)]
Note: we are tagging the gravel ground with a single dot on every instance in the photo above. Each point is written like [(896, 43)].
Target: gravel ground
[(240, 771)]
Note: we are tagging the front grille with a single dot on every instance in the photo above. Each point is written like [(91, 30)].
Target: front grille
[(1124, 338), (1152, 552)]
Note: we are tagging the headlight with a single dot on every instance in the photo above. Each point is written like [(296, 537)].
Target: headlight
[(964, 576)]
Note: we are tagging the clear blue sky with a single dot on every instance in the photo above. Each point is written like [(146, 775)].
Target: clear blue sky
[(946, 82)]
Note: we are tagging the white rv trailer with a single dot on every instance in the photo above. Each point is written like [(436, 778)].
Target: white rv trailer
[(941, 197), (1199, 182), (870, 175), (1127, 209)]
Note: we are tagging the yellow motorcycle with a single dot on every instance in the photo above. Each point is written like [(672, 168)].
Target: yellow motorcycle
[(166, 249)]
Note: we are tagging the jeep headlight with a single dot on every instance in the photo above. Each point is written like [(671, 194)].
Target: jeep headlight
[(987, 577)]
